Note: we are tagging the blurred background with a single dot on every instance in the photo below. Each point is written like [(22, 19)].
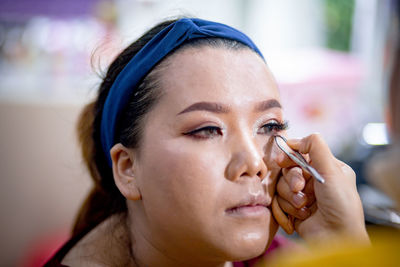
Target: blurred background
[(331, 59)]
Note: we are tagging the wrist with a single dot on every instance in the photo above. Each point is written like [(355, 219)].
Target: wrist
[(357, 235)]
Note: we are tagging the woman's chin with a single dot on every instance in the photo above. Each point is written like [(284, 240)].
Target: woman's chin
[(251, 244)]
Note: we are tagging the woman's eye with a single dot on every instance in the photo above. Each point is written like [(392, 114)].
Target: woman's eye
[(273, 127), (205, 132)]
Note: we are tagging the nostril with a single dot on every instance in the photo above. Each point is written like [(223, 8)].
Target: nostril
[(244, 164), (245, 174)]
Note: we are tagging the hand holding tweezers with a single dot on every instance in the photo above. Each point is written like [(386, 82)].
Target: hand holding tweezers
[(297, 158)]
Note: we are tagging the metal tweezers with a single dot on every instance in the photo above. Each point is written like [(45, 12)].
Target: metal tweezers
[(294, 155)]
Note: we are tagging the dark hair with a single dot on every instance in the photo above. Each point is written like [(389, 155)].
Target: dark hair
[(105, 198)]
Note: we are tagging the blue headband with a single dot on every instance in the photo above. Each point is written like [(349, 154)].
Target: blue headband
[(152, 53)]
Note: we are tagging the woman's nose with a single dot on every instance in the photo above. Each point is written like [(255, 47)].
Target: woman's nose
[(246, 161)]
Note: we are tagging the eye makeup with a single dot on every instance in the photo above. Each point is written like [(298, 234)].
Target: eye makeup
[(211, 131), (205, 132), (273, 126), (297, 158)]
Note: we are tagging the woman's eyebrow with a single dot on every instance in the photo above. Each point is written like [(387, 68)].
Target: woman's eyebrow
[(221, 108), (207, 106), (267, 104)]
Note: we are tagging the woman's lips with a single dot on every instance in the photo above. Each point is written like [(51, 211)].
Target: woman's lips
[(248, 211), (251, 206)]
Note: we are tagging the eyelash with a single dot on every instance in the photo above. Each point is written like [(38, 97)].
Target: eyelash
[(275, 127), (208, 132), (205, 132)]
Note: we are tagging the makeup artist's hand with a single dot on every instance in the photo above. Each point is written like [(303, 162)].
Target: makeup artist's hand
[(318, 211), (295, 195)]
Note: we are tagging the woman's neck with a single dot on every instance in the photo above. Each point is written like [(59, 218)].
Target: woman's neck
[(106, 245), (149, 249), (146, 254), (113, 243)]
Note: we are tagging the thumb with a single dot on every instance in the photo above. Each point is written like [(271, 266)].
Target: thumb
[(320, 155)]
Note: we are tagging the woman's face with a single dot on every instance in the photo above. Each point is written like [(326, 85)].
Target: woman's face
[(205, 151)]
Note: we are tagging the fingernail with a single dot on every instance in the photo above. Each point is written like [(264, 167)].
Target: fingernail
[(299, 199), (304, 212)]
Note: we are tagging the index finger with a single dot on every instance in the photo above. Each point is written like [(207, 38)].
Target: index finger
[(317, 149)]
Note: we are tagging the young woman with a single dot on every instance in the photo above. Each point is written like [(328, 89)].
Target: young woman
[(179, 145)]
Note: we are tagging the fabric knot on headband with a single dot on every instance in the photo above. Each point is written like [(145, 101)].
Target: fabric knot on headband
[(143, 62)]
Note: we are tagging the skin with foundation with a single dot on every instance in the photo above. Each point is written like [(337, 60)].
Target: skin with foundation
[(200, 167), (199, 188)]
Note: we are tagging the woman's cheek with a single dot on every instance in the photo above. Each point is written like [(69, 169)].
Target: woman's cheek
[(189, 168), (271, 157)]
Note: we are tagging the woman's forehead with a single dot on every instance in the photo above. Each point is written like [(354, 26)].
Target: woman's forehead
[(218, 75)]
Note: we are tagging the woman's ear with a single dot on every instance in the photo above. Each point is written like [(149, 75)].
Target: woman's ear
[(123, 171)]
